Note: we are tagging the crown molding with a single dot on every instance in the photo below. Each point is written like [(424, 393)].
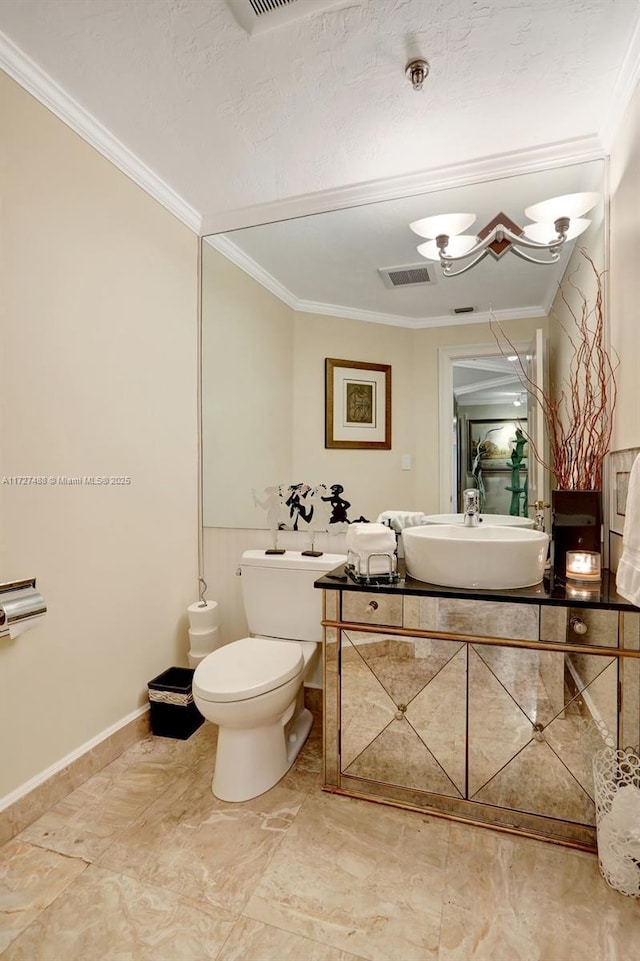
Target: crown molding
[(627, 81), (242, 260), (40, 85), (237, 256), (505, 381), (418, 323), (561, 154)]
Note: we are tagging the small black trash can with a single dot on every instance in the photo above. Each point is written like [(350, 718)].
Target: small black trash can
[(173, 712)]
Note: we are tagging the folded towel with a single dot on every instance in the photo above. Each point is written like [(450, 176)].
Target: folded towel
[(368, 539), (398, 520), (628, 575), (363, 540)]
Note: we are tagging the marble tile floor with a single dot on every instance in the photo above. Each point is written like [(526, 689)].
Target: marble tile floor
[(142, 863)]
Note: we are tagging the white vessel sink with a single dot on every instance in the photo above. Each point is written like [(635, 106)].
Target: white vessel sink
[(452, 555), (491, 520)]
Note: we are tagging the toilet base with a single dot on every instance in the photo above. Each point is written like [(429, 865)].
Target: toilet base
[(249, 761), (297, 732)]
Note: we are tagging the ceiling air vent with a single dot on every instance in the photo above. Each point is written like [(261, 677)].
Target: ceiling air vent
[(256, 16), (410, 275), (463, 310), (261, 7)]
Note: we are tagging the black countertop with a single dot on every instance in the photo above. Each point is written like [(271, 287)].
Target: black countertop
[(551, 591)]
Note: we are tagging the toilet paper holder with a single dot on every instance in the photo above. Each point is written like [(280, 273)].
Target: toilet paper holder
[(20, 604)]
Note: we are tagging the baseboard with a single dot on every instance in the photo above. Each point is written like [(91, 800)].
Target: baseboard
[(28, 802)]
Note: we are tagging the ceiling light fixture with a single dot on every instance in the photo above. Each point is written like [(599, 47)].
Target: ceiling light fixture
[(555, 221), (417, 71)]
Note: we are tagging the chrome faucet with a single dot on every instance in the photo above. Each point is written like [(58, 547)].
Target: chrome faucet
[(471, 507)]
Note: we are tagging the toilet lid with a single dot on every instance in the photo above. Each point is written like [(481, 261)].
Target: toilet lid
[(246, 668)]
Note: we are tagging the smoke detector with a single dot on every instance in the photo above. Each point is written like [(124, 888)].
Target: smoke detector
[(256, 16)]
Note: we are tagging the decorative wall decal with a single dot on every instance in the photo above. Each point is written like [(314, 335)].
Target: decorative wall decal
[(298, 510), (301, 507), (339, 506), (273, 505)]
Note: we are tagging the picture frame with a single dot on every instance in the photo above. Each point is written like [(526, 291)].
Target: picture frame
[(620, 464), (357, 405), (499, 435)]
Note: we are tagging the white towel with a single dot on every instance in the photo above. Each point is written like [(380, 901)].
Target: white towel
[(363, 540), (401, 519), (628, 575)]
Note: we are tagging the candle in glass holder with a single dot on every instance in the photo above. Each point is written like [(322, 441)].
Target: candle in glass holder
[(583, 565)]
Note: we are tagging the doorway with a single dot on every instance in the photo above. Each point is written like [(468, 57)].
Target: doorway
[(490, 410), (477, 383)]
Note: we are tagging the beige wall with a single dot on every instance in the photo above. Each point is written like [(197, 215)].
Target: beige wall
[(99, 346), (372, 479), (268, 361), (624, 289), (247, 360)]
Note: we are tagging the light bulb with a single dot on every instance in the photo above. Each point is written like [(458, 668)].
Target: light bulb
[(545, 233), (449, 224), (457, 247), (569, 205)]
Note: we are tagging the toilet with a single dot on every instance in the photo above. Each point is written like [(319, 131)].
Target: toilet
[(253, 688)]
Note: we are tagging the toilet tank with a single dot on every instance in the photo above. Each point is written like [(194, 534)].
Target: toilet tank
[(278, 593)]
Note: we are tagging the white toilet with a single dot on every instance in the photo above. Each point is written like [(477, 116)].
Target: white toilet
[(253, 688)]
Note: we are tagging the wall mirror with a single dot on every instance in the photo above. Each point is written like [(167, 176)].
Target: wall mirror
[(280, 298)]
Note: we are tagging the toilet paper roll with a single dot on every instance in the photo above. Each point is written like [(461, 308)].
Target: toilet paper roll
[(194, 659), (203, 642), (203, 618)]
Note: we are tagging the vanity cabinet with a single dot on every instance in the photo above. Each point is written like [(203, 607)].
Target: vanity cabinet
[(367, 608), (487, 710)]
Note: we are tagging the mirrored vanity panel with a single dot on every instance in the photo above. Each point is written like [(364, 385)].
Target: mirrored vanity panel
[(483, 708)]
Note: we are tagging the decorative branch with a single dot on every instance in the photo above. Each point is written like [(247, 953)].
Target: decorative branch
[(579, 417)]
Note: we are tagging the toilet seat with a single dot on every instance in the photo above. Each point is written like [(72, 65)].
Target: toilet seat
[(246, 668)]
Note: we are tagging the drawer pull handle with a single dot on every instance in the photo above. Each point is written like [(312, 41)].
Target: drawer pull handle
[(578, 625), (372, 606)]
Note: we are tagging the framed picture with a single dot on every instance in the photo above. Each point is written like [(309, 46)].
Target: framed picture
[(620, 464), (494, 441), (357, 404)]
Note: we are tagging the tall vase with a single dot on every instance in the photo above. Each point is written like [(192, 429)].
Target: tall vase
[(576, 524)]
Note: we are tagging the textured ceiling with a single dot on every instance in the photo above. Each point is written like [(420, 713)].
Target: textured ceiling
[(230, 121)]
